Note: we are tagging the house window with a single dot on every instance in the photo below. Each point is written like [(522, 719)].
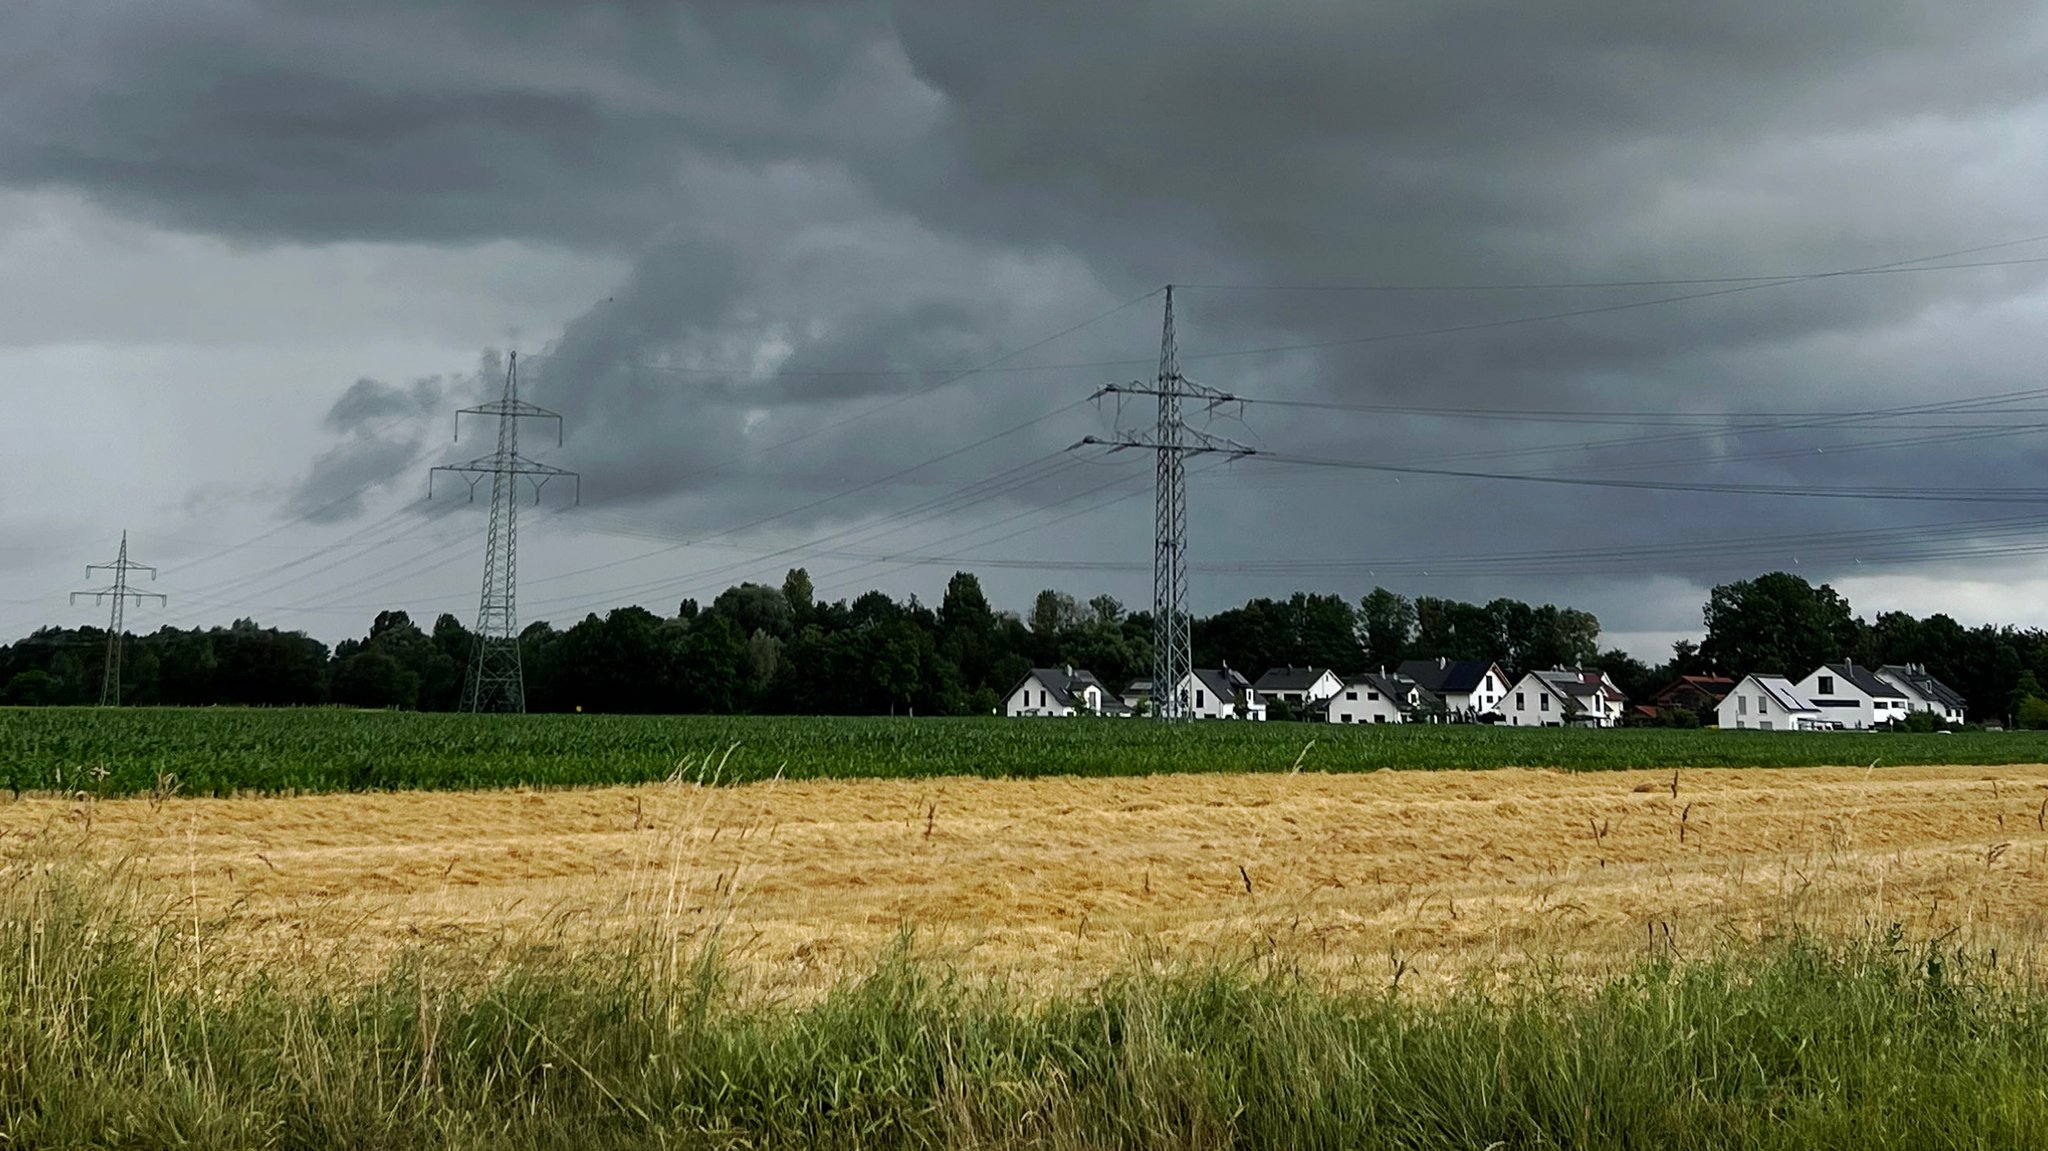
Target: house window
[(1200, 700), (1763, 705), (1520, 703), (1542, 702), (1742, 705), (1765, 725), (1827, 685), (1372, 695), (1349, 719), (1351, 695), (1041, 699), (1379, 719)]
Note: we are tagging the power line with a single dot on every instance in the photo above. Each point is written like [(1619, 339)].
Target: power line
[(1828, 420), (1984, 495), (951, 503), (1679, 282), (950, 377), (822, 501)]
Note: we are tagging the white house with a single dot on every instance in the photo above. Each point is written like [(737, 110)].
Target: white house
[(1210, 693), (1300, 686), (1381, 698), (1062, 691), (1560, 697), (1469, 688), (1768, 703), (1220, 693), (1923, 691), (1852, 696)]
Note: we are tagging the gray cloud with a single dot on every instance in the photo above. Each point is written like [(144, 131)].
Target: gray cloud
[(830, 207), (461, 122), (384, 431)]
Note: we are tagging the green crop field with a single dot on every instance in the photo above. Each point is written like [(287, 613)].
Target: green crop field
[(240, 750)]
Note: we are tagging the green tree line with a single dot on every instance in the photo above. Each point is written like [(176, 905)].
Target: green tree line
[(770, 649)]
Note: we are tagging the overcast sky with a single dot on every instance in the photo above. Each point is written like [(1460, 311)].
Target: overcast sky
[(258, 253)]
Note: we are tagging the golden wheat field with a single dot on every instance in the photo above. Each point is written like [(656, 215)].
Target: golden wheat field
[(1429, 877)]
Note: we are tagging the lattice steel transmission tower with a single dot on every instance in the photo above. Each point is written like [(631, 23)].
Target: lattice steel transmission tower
[(1172, 441), (120, 593), (496, 680)]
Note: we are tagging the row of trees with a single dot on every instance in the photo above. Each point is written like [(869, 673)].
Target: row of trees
[(777, 649)]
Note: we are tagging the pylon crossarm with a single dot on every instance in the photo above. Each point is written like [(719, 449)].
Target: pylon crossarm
[(100, 597), (544, 475), (515, 409), (1200, 444), (1188, 390)]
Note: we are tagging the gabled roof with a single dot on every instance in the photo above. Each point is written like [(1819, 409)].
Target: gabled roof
[(1290, 678), (1064, 686), (1223, 683), (1396, 687), (1570, 688), (1863, 679), (1712, 686), (1599, 683), (1930, 688), (1781, 691), (1447, 677)]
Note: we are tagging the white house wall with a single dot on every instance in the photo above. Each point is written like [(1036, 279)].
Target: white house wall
[(1530, 703), (1034, 698), (1492, 689), (1360, 703), (1750, 708), (1847, 704)]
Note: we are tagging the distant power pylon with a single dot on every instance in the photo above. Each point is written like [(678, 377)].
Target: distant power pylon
[(120, 593), (1173, 658), (496, 680)]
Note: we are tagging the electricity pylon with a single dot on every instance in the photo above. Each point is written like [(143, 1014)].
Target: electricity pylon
[(1173, 657), (120, 593), (496, 681)]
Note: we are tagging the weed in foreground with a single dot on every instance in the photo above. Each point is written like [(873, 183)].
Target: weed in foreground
[(112, 1035)]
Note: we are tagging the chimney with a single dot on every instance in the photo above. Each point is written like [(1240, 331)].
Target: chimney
[(1442, 662), (1070, 671)]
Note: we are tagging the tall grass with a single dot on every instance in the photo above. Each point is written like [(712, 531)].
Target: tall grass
[(113, 1034)]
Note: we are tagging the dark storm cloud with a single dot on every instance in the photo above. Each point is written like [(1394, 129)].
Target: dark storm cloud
[(373, 401), (831, 206), (383, 432), (449, 122)]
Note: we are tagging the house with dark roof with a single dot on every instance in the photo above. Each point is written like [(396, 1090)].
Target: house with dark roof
[(1221, 693), (1300, 686), (1062, 691), (1855, 697), (1768, 703), (1923, 691), (1564, 697), (1377, 697), (1469, 688), (1210, 693)]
